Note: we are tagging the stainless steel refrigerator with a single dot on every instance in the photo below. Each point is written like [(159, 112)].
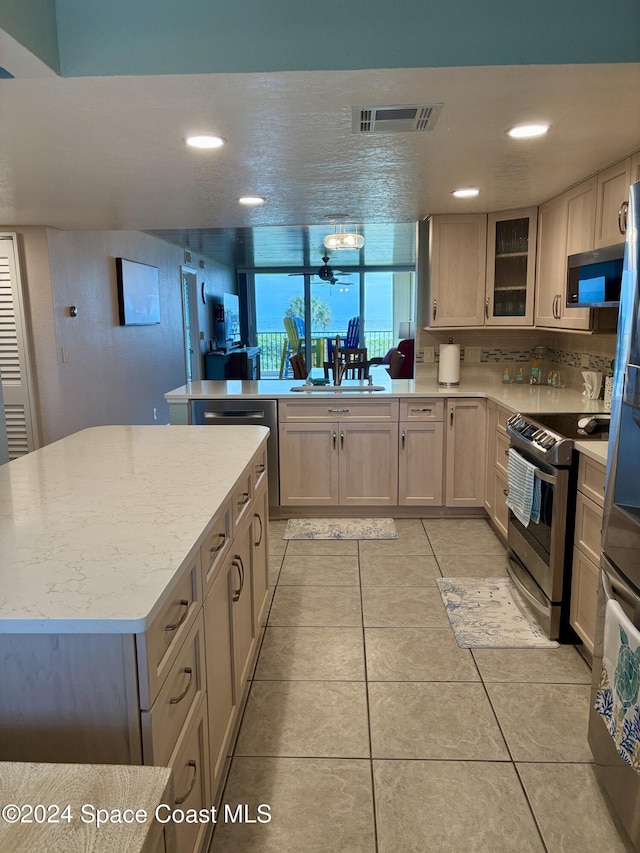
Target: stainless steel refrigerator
[(620, 563)]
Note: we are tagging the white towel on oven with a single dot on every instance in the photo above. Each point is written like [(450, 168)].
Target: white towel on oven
[(618, 696), (524, 489)]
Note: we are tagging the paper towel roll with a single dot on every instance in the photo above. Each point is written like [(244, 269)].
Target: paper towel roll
[(449, 371)]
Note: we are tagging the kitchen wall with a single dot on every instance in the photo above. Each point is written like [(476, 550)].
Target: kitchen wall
[(109, 374)]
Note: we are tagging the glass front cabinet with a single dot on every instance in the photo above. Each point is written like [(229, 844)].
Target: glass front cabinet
[(511, 253)]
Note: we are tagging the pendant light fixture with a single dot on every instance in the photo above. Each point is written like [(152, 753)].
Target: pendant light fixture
[(344, 237)]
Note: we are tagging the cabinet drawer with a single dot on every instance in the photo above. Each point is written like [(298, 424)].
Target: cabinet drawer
[(160, 645), (183, 687), (588, 529), (216, 545), (421, 410), (259, 468), (591, 476), (242, 497), (339, 409), (502, 446), (500, 508), (190, 782), (584, 594)]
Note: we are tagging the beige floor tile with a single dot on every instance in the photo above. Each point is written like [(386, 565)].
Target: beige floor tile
[(442, 720), (543, 722), (570, 808), (386, 570), (411, 544), (409, 527), (319, 571), (317, 806), (305, 719), (475, 566), (403, 607), (462, 536), (417, 654), (316, 606), (275, 564), (322, 548), (277, 545), (452, 807), (563, 665), (312, 654)]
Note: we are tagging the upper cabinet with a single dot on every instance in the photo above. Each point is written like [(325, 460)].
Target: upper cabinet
[(457, 263), (565, 226), (511, 252), (612, 202), (482, 269)]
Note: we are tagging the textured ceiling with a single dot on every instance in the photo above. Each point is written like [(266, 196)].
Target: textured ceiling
[(108, 153)]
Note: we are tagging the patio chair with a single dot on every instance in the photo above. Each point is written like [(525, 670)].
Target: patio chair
[(350, 341), (294, 343)]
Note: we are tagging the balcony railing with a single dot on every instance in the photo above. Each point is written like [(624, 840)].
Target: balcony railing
[(272, 346)]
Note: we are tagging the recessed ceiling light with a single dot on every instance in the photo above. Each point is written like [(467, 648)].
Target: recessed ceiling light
[(470, 192), (205, 140), (252, 200), (528, 131)]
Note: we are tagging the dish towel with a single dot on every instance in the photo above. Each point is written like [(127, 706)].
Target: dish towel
[(618, 693), (524, 489)]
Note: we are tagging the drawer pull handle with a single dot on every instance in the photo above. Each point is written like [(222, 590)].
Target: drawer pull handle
[(622, 217), (403, 440), (451, 415), (506, 453), (260, 467), (415, 411), (187, 671), (237, 562), (256, 515), (435, 308), (342, 441), (179, 800), (183, 603), (215, 548), (334, 440), (486, 307), (338, 411), (505, 493), (246, 497)]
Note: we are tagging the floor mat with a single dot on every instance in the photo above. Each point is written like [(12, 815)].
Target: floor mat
[(489, 613), (340, 528)]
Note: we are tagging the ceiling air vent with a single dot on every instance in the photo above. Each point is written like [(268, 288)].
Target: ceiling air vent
[(396, 119)]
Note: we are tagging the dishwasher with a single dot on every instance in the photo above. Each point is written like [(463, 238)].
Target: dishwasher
[(244, 413)]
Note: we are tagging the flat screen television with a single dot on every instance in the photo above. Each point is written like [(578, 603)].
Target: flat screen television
[(231, 305)]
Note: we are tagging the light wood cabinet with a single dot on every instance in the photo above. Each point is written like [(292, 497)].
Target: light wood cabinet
[(222, 694), (339, 453), (457, 268), (421, 468), (167, 696), (496, 480), (612, 197), (465, 427), (511, 255), (586, 551), (565, 227), (501, 511)]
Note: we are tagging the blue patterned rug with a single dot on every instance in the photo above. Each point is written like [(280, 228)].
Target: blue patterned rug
[(489, 613), (340, 528)]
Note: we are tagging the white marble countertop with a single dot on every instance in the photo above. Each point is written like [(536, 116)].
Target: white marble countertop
[(523, 398), (93, 528), (596, 450)]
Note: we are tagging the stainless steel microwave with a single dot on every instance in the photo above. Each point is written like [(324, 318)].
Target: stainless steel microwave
[(594, 278)]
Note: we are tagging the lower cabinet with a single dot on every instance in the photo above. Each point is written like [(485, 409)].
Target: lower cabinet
[(497, 447), (586, 550), (259, 555), (465, 425), (421, 469), (339, 463)]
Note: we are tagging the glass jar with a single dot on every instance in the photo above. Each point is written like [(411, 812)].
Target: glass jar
[(538, 366)]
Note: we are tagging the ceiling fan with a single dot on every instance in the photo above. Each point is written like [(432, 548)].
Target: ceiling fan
[(328, 275)]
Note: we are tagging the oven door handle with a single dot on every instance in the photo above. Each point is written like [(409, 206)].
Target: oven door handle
[(541, 475), (614, 586)]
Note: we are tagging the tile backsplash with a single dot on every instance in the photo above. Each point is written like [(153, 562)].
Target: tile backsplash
[(568, 353)]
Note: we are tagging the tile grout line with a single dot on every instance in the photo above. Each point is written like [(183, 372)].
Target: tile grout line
[(366, 693)]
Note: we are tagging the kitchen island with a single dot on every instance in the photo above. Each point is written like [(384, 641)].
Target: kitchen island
[(134, 572)]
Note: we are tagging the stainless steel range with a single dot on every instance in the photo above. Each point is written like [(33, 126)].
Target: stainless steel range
[(539, 555)]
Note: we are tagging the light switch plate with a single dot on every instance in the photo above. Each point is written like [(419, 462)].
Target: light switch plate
[(584, 360), (473, 354), (429, 355)]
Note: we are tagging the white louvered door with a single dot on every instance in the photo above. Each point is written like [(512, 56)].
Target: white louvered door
[(17, 387)]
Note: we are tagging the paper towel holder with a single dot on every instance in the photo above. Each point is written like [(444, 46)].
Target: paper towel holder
[(449, 366)]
